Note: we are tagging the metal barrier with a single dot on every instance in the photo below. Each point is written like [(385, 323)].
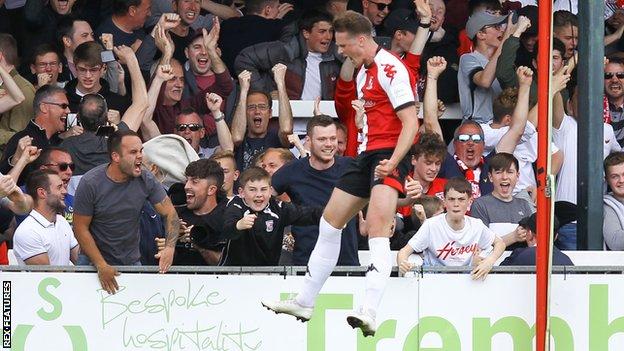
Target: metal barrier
[(300, 270)]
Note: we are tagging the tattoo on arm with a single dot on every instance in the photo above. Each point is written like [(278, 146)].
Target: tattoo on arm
[(172, 222)]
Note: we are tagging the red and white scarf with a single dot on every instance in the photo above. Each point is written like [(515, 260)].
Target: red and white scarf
[(470, 176)]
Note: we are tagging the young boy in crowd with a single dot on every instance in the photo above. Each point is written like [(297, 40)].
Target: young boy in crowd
[(254, 221), (452, 238), (427, 206)]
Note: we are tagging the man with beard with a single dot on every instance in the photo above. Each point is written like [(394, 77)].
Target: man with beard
[(200, 241), (309, 181), (614, 89), (59, 161), (45, 237), (108, 206)]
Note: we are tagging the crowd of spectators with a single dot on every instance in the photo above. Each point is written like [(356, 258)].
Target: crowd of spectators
[(142, 132)]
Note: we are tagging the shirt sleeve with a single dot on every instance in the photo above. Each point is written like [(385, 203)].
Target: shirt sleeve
[(487, 237), (280, 180), (420, 241), (84, 198), (27, 243), (478, 211), (156, 191), (395, 81)]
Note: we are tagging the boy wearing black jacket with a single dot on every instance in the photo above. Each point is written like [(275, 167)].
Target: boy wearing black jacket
[(254, 222)]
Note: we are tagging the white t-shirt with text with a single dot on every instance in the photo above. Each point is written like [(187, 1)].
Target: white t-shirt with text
[(443, 246)]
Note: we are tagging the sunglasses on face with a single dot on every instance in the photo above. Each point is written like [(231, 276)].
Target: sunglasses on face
[(63, 166), (59, 104), (192, 126), (464, 138), (609, 75), (380, 6)]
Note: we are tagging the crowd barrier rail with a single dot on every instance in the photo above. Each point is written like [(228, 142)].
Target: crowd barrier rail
[(218, 308)]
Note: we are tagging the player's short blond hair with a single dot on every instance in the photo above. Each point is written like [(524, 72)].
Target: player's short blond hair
[(353, 23)]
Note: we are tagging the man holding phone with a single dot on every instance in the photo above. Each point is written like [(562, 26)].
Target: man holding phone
[(89, 149), (90, 71)]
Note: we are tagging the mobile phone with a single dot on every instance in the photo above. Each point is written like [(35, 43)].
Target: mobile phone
[(72, 120), (107, 56), (105, 131), (514, 16)]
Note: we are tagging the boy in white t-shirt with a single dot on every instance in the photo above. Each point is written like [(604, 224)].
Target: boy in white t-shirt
[(452, 238)]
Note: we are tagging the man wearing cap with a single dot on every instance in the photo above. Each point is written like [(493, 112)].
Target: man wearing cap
[(477, 70)]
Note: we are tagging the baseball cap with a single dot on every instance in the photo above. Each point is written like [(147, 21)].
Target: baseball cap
[(401, 19), (480, 19)]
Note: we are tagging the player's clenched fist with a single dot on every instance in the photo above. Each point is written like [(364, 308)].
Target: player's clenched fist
[(246, 222), (384, 169)]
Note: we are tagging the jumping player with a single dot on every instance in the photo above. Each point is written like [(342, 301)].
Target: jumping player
[(375, 177)]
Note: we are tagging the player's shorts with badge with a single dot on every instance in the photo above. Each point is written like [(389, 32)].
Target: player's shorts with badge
[(359, 177)]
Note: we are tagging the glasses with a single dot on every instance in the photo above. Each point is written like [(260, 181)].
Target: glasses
[(44, 65), (92, 70), (464, 138), (62, 105), (380, 6), (63, 166), (495, 26), (609, 75), (192, 126), (261, 107)]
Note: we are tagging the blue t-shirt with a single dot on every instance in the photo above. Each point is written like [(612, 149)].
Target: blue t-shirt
[(310, 187), (120, 37)]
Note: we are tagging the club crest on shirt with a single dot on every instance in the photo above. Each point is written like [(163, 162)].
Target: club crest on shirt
[(369, 84), (269, 225)]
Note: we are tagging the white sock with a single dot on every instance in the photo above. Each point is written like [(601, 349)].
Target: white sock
[(378, 274), (321, 264)]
